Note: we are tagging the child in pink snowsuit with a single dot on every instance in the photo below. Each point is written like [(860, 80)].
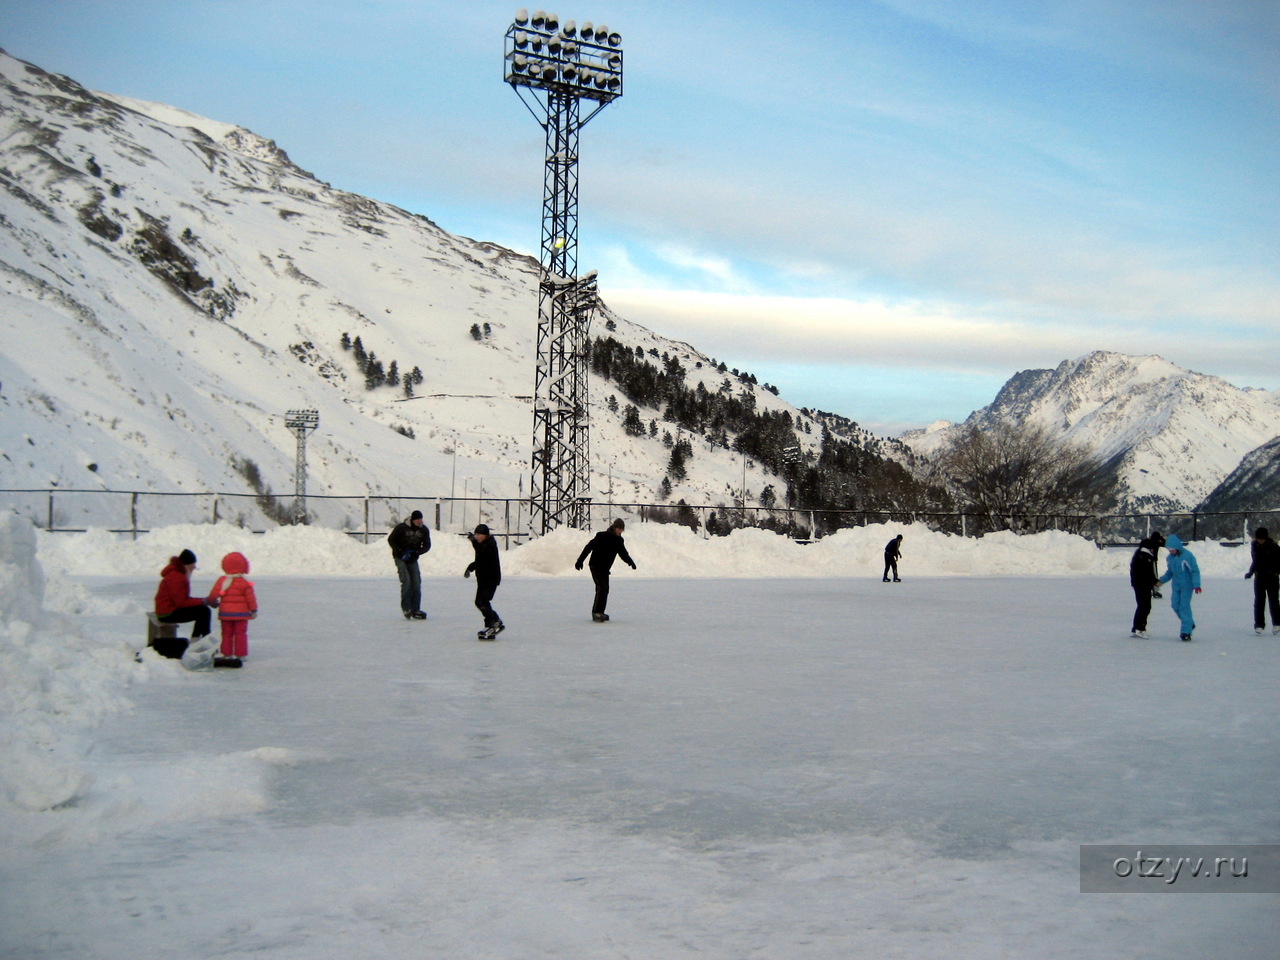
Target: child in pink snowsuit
[(234, 597)]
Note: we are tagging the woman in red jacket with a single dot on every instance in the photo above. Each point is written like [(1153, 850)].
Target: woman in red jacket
[(237, 604), (174, 602)]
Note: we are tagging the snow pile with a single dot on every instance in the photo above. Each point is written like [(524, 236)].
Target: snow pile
[(660, 550), (54, 684)]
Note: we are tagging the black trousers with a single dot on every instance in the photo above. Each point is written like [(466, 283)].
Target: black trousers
[(1142, 595), (891, 563), (200, 616), (1266, 592), (601, 578), (484, 594)]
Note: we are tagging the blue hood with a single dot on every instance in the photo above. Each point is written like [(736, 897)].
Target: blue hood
[(1172, 542)]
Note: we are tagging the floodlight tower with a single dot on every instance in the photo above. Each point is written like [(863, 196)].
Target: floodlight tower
[(301, 422), (554, 67)]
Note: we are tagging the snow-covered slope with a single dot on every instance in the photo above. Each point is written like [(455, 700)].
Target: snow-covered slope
[(1170, 434), (1253, 485), (170, 286)]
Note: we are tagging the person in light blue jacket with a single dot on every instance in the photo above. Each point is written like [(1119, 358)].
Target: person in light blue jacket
[(1184, 574)]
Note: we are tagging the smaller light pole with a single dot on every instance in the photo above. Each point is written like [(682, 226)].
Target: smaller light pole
[(301, 422)]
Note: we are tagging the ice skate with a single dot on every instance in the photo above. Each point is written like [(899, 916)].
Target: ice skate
[(1185, 637), (1140, 634), (600, 617), (417, 615)]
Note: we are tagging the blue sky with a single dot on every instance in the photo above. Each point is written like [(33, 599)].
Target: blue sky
[(884, 208)]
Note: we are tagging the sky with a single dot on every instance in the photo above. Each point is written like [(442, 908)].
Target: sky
[(885, 208)]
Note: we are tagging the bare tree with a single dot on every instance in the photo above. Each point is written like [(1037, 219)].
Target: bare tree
[(1017, 475)]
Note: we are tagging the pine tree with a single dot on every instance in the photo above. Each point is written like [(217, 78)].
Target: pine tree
[(357, 348), (393, 375), (346, 341), (475, 332)]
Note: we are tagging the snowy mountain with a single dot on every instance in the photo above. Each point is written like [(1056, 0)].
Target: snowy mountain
[(171, 286), (1170, 434), (1254, 485)]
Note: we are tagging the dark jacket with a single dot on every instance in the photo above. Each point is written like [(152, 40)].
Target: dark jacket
[(1143, 569), (1266, 559), (893, 549), (406, 538), (175, 590), (604, 548), (487, 565)]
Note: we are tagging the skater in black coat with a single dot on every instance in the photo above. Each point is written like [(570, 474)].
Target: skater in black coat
[(604, 548), (409, 540), (1265, 573), (892, 551), (1144, 575), (487, 567)]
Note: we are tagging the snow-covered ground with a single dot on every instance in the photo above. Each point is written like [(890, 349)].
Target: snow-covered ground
[(767, 753)]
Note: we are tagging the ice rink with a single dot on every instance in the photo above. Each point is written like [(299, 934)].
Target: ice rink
[(731, 768)]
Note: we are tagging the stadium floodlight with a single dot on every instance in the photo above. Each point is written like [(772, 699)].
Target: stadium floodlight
[(554, 68), (301, 422)]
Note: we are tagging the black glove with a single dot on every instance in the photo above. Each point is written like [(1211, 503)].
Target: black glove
[(1249, 575), (578, 565)]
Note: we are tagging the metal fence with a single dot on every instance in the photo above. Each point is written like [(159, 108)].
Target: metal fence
[(371, 517)]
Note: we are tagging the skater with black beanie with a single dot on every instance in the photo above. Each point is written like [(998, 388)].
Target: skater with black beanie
[(1265, 573), (487, 567), (410, 540), (604, 548)]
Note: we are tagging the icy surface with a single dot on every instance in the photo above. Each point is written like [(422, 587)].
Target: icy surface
[(813, 766)]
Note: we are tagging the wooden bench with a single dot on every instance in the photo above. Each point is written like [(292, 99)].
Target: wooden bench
[(163, 637)]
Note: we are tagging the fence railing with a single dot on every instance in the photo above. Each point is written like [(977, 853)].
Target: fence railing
[(370, 517)]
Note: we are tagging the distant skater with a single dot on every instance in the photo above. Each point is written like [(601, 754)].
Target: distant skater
[(892, 551), (237, 604), (604, 548), (1265, 573), (1183, 573), (410, 540), (1144, 574), (487, 567)]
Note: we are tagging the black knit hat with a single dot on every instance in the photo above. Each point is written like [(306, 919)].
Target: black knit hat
[(1262, 533), (482, 528), (186, 557), (416, 515)]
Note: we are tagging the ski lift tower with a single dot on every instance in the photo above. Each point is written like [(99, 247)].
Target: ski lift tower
[(301, 422), (554, 67)]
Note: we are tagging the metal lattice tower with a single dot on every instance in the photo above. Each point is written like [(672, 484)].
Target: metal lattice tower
[(553, 68), (301, 422)]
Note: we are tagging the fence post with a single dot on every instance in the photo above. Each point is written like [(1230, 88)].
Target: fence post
[(133, 513), (366, 519), (1195, 527), (49, 521)]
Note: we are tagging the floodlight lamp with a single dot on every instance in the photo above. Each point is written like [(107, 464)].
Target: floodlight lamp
[(548, 71), (520, 63), (601, 33), (587, 30), (539, 18), (569, 28), (521, 39), (553, 22), (554, 46), (522, 16), (615, 61), (615, 39)]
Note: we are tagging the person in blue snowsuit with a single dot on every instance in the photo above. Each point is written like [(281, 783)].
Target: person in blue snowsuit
[(1183, 573)]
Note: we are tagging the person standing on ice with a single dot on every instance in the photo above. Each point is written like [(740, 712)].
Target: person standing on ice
[(1144, 574), (1265, 573), (237, 604), (892, 551), (487, 567), (174, 602), (410, 540), (604, 548), (1184, 574)]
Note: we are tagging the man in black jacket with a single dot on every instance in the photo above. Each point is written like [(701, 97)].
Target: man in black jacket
[(604, 548), (892, 552), (487, 567), (1144, 574), (408, 542), (1265, 572)]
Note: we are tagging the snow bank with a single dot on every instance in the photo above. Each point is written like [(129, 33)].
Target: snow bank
[(660, 550), (55, 685)]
